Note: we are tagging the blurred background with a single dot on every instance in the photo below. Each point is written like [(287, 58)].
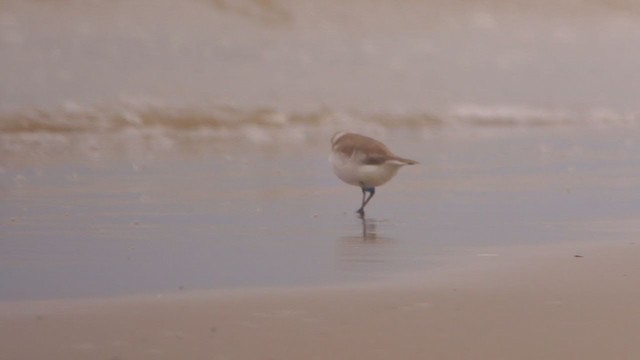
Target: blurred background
[(152, 145), (227, 67)]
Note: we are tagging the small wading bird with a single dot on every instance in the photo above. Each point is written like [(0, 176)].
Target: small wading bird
[(365, 162)]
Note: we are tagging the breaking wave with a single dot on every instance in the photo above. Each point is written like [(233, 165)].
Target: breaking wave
[(230, 123), (140, 131)]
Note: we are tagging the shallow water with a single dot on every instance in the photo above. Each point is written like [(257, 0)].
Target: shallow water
[(150, 146), (228, 216)]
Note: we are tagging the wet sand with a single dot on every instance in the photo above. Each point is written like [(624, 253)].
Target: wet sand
[(161, 220), (500, 247), (503, 243), (546, 302), (496, 247)]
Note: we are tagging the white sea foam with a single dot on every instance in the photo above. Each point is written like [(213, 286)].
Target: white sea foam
[(270, 126)]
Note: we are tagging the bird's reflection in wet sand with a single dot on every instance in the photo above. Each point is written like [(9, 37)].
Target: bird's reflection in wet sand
[(366, 247), (369, 233)]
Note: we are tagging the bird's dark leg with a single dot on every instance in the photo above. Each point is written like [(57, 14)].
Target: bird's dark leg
[(371, 192), (361, 210)]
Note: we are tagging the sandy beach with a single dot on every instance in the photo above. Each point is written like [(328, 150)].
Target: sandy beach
[(165, 191), (532, 255), (567, 301)]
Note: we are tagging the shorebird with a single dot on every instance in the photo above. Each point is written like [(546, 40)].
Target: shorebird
[(365, 162)]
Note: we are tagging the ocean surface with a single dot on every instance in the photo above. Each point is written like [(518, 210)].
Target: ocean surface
[(161, 145)]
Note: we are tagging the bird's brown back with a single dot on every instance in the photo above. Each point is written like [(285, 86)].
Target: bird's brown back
[(374, 151)]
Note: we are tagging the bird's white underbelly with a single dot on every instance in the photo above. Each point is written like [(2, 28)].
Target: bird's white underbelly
[(355, 173)]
